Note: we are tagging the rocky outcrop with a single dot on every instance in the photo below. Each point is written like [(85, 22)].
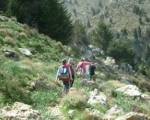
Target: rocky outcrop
[(130, 90), (56, 113), (113, 113), (134, 116), (11, 54), (25, 52), (19, 111), (97, 98)]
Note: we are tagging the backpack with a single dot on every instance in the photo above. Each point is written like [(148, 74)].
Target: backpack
[(63, 73)]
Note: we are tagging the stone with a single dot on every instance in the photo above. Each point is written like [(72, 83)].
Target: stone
[(71, 113), (11, 54), (130, 90), (145, 97), (109, 61), (113, 113), (97, 98), (87, 83), (134, 116), (25, 52), (19, 111), (56, 113)]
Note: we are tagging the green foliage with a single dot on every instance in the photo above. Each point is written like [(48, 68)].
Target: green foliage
[(122, 51), (75, 100), (12, 83), (3, 5), (130, 104), (102, 36), (49, 16), (43, 99), (79, 38)]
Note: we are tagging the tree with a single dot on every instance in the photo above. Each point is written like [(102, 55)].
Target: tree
[(3, 5), (102, 36), (49, 16)]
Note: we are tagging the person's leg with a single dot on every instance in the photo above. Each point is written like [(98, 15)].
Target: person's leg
[(66, 87), (72, 81)]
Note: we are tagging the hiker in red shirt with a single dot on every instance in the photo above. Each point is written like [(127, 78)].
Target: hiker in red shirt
[(84, 66)]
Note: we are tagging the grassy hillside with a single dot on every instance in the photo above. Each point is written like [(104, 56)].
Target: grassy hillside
[(20, 72)]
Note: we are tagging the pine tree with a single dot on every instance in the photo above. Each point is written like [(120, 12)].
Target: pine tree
[(49, 16)]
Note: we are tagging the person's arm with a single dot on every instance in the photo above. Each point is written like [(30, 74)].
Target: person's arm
[(78, 66), (57, 74), (70, 73)]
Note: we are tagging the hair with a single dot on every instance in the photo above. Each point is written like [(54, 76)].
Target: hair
[(64, 61)]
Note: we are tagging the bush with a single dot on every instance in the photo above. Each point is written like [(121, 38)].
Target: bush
[(49, 16), (75, 100), (13, 82), (121, 51)]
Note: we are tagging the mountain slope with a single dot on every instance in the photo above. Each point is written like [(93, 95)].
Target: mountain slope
[(28, 63)]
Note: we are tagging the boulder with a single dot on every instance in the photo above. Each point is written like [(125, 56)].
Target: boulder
[(145, 97), (130, 90), (11, 54), (97, 98), (109, 61), (25, 52), (88, 83), (19, 111), (134, 116), (113, 113)]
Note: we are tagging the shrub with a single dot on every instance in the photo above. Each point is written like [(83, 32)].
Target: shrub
[(121, 51), (75, 100), (49, 16)]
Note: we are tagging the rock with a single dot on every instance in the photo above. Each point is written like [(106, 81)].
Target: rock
[(11, 54), (25, 52), (134, 116), (19, 111), (113, 113), (71, 113), (87, 83), (130, 90), (3, 18), (92, 114), (56, 113), (109, 61), (97, 98), (145, 97)]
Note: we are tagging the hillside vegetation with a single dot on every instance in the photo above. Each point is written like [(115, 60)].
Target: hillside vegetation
[(30, 78)]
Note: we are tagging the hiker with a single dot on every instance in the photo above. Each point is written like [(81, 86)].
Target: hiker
[(83, 65), (70, 64), (64, 74), (92, 69)]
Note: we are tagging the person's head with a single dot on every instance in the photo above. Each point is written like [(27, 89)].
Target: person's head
[(83, 59), (64, 61)]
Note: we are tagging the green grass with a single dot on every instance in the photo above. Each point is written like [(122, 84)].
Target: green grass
[(130, 104)]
